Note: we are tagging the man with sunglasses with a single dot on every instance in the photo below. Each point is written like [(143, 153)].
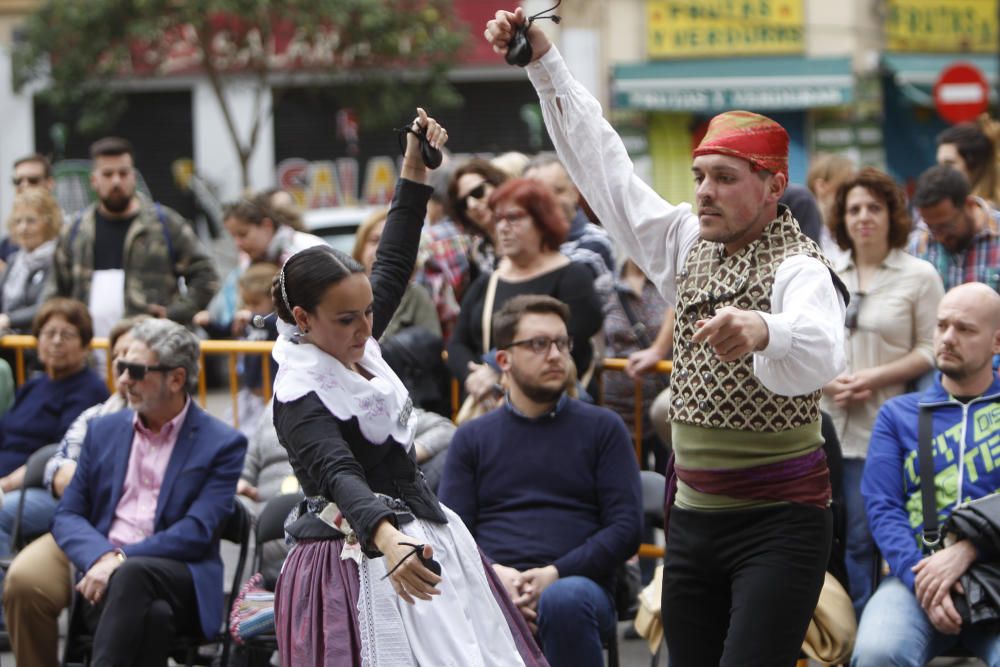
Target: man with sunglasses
[(140, 518), (33, 171), (30, 171), (758, 333), (549, 487)]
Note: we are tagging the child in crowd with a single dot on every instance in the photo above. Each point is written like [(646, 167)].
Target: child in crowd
[(255, 295)]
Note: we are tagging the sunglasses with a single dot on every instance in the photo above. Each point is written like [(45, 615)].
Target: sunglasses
[(138, 371), (32, 180), (853, 309), (476, 193)]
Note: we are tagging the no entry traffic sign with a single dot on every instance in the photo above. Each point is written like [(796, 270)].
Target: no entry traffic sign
[(961, 93)]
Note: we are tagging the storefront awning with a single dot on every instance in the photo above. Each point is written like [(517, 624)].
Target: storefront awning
[(916, 73), (784, 83)]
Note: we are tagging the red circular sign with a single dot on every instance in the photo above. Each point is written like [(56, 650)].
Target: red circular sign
[(961, 93)]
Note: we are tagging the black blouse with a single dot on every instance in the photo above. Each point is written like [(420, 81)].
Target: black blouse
[(331, 457)]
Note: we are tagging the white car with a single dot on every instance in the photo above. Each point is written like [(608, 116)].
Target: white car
[(337, 225)]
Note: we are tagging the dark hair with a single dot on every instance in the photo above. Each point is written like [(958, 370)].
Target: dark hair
[(306, 276), (111, 147), (456, 208), (882, 187), (506, 321), (122, 327), (38, 158), (73, 311), (940, 183), (258, 208), (289, 216), (537, 199), (974, 147)]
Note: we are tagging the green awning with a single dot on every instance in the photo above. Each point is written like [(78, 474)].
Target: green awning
[(916, 73), (782, 83)]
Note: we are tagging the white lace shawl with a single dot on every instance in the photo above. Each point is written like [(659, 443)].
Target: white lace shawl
[(382, 405)]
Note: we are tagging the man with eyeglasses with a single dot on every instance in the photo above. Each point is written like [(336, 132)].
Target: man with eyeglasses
[(140, 518), (125, 255), (758, 333), (962, 235), (549, 487)]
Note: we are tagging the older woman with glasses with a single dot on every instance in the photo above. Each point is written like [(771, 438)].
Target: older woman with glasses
[(529, 226), (34, 225), (890, 324), (44, 407)]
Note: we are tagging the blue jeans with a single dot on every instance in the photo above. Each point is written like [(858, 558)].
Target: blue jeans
[(860, 549), (39, 508), (895, 631), (574, 616)]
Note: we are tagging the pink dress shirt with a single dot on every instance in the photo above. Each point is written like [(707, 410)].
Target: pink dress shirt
[(147, 465)]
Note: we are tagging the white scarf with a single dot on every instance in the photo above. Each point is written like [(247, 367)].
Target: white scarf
[(381, 405), (22, 265)]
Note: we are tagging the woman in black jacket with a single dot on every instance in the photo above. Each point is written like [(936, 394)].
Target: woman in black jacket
[(374, 545)]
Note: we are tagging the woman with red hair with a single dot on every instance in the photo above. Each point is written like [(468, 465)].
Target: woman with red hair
[(529, 228)]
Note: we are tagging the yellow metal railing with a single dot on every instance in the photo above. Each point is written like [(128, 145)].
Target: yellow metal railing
[(231, 348)]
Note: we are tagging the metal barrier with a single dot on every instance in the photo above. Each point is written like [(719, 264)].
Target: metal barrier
[(232, 348)]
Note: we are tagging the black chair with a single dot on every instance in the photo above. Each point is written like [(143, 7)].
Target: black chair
[(34, 478), (236, 529), (270, 527)]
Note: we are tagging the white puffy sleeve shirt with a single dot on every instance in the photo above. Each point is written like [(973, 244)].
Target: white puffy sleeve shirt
[(806, 322)]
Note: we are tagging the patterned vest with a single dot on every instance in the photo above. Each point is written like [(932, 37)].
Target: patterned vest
[(705, 391)]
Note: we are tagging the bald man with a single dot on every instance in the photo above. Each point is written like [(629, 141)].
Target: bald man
[(912, 617)]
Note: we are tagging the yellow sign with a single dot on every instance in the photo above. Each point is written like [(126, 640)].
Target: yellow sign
[(724, 27), (967, 26)]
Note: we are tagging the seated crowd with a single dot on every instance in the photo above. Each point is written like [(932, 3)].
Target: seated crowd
[(521, 285)]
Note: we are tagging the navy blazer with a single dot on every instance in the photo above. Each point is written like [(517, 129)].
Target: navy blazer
[(196, 496)]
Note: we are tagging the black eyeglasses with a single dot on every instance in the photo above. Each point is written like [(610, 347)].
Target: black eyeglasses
[(542, 344), (32, 180), (853, 309), (138, 371), (476, 193)]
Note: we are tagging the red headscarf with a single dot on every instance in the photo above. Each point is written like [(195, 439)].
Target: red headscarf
[(757, 139)]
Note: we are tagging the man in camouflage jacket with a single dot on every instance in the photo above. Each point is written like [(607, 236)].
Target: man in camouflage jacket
[(160, 247)]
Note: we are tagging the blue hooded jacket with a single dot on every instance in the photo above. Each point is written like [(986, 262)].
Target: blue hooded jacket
[(966, 457)]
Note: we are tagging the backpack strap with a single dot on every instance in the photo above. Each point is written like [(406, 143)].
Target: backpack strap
[(166, 235), (931, 535), (75, 228)]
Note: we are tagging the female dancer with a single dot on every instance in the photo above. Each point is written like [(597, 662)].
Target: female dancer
[(382, 573)]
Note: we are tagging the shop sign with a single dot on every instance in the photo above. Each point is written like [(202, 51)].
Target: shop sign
[(724, 27), (770, 98), (941, 26)]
